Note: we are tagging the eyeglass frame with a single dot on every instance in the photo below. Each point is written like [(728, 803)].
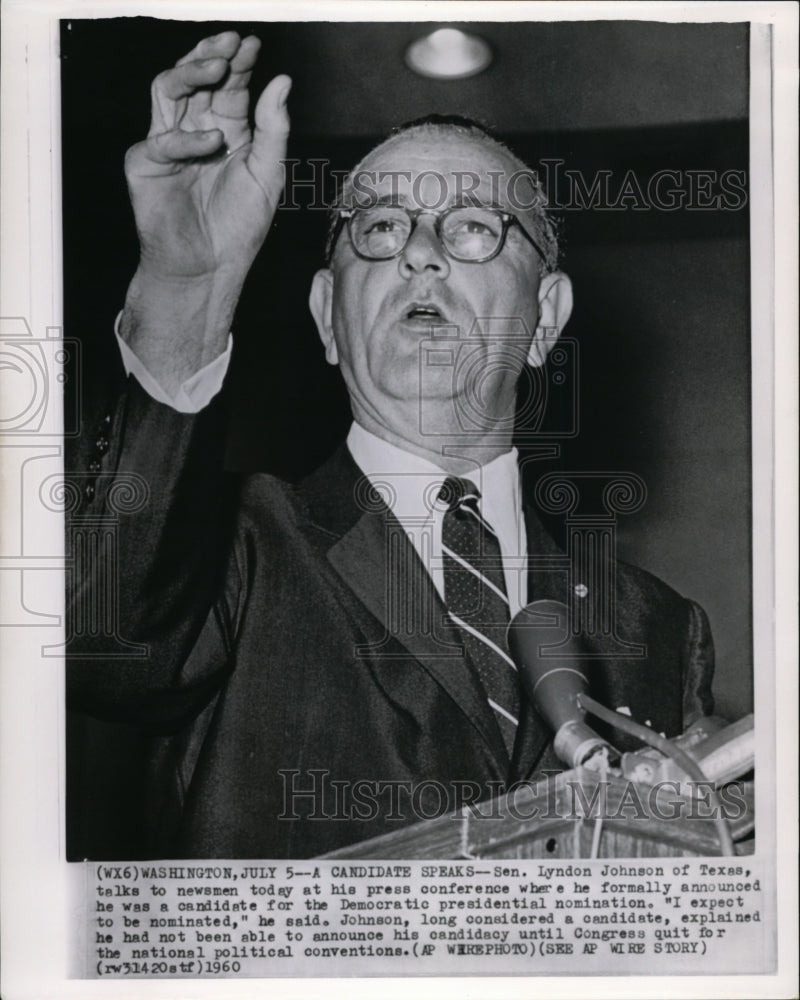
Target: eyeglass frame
[(508, 219)]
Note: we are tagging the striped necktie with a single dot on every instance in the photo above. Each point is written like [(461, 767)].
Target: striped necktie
[(475, 595)]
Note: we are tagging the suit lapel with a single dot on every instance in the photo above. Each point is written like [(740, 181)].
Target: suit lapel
[(371, 553)]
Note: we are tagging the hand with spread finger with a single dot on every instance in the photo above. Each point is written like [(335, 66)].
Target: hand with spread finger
[(204, 189)]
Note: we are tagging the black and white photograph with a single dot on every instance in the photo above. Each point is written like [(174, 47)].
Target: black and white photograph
[(284, 650), (393, 527)]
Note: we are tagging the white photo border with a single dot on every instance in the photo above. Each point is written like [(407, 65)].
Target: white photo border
[(35, 877)]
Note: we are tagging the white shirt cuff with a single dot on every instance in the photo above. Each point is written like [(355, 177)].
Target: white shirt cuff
[(194, 394)]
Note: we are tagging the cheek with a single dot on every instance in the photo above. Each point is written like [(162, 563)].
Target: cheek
[(357, 297), (509, 275), (525, 292), (511, 293)]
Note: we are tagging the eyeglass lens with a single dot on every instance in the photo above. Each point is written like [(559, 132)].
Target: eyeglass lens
[(468, 233)]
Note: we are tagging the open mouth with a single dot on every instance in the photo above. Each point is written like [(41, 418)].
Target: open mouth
[(424, 313)]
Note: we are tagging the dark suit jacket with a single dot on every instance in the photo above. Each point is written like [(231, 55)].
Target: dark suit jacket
[(301, 687)]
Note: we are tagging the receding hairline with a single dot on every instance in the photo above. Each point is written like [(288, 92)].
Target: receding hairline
[(476, 135)]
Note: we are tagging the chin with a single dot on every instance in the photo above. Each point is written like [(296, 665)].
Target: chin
[(399, 388)]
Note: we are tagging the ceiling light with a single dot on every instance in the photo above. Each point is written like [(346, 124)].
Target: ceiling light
[(448, 54)]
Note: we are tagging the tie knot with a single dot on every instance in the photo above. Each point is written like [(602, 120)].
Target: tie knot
[(455, 492)]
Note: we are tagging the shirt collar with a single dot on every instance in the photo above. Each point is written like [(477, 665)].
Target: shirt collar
[(408, 483)]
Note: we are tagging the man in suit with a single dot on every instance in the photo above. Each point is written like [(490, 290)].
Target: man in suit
[(327, 662)]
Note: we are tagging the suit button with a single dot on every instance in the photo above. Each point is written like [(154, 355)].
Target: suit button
[(94, 465), (101, 444), (88, 491)]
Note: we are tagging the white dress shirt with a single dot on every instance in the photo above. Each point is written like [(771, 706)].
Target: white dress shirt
[(407, 483)]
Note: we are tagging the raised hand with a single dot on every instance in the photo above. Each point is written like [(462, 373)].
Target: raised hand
[(204, 189)]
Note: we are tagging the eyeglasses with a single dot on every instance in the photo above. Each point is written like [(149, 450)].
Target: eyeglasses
[(469, 233)]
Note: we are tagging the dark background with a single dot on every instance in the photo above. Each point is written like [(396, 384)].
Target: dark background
[(661, 319)]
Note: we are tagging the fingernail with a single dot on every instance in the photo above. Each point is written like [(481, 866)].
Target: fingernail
[(284, 95)]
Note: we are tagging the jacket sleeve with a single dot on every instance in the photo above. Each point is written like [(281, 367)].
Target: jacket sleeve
[(149, 603), (698, 667)]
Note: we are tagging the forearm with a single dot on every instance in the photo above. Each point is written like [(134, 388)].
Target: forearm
[(175, 328), (194, 394)]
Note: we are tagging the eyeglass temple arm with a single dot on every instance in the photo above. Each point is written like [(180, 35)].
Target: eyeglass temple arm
[(513, 219)]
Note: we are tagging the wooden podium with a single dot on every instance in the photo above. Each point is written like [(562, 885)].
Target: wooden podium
[(585, 813)]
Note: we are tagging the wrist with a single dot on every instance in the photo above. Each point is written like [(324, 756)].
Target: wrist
[(177, 326)]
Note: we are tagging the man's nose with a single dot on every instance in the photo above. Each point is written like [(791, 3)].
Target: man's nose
[(424, 251)]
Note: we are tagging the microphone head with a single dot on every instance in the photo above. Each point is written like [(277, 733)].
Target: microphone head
[(551, 666)]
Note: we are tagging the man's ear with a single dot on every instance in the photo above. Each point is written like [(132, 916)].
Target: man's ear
[(320, 301), (555, 308)]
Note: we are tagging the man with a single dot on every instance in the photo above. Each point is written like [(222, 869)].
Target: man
[(328, 662)]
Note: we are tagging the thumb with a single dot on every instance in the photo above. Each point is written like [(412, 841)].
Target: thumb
[(270, 135)]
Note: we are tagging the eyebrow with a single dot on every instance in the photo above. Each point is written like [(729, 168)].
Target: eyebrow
[(468, 201)]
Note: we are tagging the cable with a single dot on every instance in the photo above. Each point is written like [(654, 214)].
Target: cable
[(669, 749), (598, 821)]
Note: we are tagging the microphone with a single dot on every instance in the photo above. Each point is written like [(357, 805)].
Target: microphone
[(550, 665)]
